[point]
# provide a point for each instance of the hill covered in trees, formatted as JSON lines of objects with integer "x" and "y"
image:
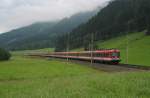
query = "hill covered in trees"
{"x": 116, "y": 19}
{"x": 43, "y": 34}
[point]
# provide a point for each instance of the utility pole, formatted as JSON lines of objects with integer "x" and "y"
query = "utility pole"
{"x": 67, "y": 46}
{"x": 92, "y": 41}
{"x": 127, "y": 42}
{"x": 127, "y": 47}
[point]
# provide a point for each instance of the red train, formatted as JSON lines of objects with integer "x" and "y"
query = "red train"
{"x": 107, "y": 55}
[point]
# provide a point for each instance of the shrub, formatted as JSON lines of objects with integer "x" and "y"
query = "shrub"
{"x": 148, "y": 31}
{"x": 4, "y": 55}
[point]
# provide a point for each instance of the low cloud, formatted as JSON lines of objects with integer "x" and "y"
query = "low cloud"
{"x": 18, "y": 13}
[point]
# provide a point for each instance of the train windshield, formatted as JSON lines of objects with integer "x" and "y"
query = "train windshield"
{"x": 115, "y": 54}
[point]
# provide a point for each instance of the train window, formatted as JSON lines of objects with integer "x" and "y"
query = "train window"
{"x": 77, "y": 54}
{"x": 82, "y": 54}
{"x": 89, "y": 54}
{"x": 94, "y": 55}
{"x": 116, "y": 54}
{"x": 106, "y": 54}
{"x": 86, "y": 54}
{"x": 97, "y": 55}
{"x": 102, "y": 55}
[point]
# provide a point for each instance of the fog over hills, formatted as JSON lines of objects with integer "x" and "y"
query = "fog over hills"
{"x": 20, "y": 13}
{"x": 43, "y": 34}
{"x": 116, "y": 19}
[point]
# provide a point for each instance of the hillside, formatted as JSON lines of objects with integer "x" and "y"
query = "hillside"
{"x": 117, "y": 18}
{"x": 138, "y": 48}
{"x": 22, "y": 37}
{"x": 44, "y": 34}
{"x": 24, "y": 77}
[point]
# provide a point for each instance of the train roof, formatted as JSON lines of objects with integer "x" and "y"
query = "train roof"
{"x": 108, "y": 50}
{"x": 96, "y": 51}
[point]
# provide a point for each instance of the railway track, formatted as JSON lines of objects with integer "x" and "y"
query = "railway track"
{"x": 103, "y": 67}
{"x": 111, "y": 68}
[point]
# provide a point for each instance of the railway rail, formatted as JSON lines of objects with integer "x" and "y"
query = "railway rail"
{"x": 101, "y": 66}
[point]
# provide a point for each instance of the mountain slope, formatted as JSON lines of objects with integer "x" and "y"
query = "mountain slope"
{"x": 118, "y": 17}
{"x": 16, "y": 38}
{"x": 42, "y": 35}
{"x": 138, "y": 48}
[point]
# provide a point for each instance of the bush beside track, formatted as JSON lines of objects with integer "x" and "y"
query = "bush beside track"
{"x": 41, "y": 78}
{"x": 4, "y": 55}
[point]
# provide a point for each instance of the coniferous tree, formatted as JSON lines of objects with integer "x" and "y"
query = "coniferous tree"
{"x": 117, "y": 18}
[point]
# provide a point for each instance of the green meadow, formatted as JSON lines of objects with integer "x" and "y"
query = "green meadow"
{"x": 26, "y": 77}
{"x": 21, "y": 52}
{"x": 138, "y": 48}
{"x": 23, "y": 77}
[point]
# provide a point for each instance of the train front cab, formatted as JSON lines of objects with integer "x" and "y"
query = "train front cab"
{"x": 115, "y": 56}
{"x": 108, "y": 56}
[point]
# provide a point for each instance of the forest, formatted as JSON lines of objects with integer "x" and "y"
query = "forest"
{"x": 42, "y": 34}
{"x": 118, "y": 18}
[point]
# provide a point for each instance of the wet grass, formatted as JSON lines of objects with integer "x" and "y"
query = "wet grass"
{"x": 138, "y": 48}
{"x": 36, "y": 78}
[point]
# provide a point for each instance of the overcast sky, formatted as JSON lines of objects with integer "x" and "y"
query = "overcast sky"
{"x": 18, "y": 13}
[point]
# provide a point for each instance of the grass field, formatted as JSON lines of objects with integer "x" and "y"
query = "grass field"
{"x": 38, "y": 78}
{"x": 138, "y": 48}
{"x": 32, "y": 51}
{"x": 138, "y": 51}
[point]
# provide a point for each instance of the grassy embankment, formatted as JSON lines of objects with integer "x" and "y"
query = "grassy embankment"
{"x": 32, "y": 51}
{"x": 38, "y": 78}
{"x": 138, "y": 48}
